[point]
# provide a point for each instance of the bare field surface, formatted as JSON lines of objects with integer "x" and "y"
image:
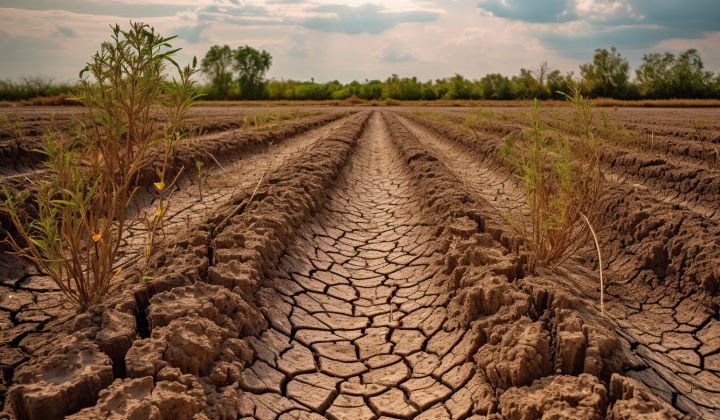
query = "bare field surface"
{"x": 357, "y": 263}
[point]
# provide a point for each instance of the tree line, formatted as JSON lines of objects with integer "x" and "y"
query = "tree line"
{"x": 239, "y": 74}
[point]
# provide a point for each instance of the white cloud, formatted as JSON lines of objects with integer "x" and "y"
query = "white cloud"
{"x": 392, "y": 54}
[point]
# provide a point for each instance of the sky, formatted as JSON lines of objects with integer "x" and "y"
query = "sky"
{"x": 349, "y": 40}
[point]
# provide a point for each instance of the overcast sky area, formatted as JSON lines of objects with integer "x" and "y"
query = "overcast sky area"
{"x": 365, "y": 39}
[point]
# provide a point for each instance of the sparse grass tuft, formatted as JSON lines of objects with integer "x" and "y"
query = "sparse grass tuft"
{"x": 486, "y": 113}
{"x": 562, "y": 179}
{"x": 618, "y": 134}
{"x": 17, "y": 129}
{"x": 269, "y": 120}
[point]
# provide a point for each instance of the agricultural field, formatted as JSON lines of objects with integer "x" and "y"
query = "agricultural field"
{"x": 360, "y": 262}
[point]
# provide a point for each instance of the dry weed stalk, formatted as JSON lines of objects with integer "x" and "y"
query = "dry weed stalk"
{"x": 597, "y": 246}
{"x": 82, "y": 211}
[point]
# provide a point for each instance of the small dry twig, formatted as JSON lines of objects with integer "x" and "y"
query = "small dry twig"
{"x": 597, "y": 245}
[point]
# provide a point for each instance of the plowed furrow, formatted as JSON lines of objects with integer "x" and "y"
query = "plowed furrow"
{"x": 232, "y": 175}
{"x": 374, "y": 276}
{"x": 652, "y": 307}
{"x": 359, "y": 329}
{"x": 665, "y": 170}
{"x": 485, "y": 178}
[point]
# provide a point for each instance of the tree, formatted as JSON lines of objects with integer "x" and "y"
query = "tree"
{"x": 690, "y": 80}
{"x": 654, "y": 76}
{"x": 527, "y": 87}
{"x": 541, "y": 72}
{"x": 608, "y": 75}
{"x": 217, "y": 66}
{"x": 251, "y": 65}
{"x": 496, "y": 86}
{"x": 556, "y": 82}
{"x": 663, "y": 76}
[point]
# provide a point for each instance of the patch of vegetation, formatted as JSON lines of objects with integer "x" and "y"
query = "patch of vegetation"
{"x": 563, "y": 182}
{"x": 27, "y": 87}
{"x": 268, "y": 120}
{"x": 82, "y": 211}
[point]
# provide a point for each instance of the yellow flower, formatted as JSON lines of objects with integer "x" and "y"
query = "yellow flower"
{"x": 160, "y": 185}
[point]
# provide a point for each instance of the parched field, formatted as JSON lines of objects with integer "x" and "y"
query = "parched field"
{"x": 357, "y": 263}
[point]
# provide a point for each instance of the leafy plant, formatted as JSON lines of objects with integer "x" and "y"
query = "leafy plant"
{"x": 201, "y": 176}
{"x": 562, "y": 180}
{"x": 82, "y": 211}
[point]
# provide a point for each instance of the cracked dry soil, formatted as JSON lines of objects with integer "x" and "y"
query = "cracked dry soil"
{"x": 373, "y": 277}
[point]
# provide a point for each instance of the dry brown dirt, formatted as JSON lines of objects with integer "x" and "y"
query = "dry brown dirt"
{"x": 374, "y": 276}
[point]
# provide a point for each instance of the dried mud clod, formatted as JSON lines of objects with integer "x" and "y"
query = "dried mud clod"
{"x": 64, "y": 382}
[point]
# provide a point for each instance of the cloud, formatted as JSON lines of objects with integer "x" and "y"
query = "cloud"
{"x": 338, "y": 18}
{"x": 700, "y": 15}
{"x": 92, "y": 7}
{"x": 624, "y": 38}
{"x": 191, "y": 34}
{"x": 390, "y": 54}
{"x": 284, "y": 1}
{"x": 64, "y": 32}
{"x": 22, "y": 42}
{"x": 246, "y": 10}
{"x": 544, "y": 11}
{"x": 630, "y": 24}
{"x": 370, "y": 18}
{"x": 293, "y": 48}
{"x": 434, "y": 29}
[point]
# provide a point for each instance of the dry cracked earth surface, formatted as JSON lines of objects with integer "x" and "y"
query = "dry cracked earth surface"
{"x": 373, "y": 275}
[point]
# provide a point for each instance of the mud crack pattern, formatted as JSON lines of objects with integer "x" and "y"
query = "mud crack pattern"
{"x": 373, "y": 277}
{"x": 358, "y": 333}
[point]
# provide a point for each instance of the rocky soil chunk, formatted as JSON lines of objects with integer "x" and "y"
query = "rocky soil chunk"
{"x": 61, "y": 383}
{"x": 581, "y": 397}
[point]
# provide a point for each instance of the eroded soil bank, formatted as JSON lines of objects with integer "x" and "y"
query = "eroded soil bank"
{"x": 372, "y": 276}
